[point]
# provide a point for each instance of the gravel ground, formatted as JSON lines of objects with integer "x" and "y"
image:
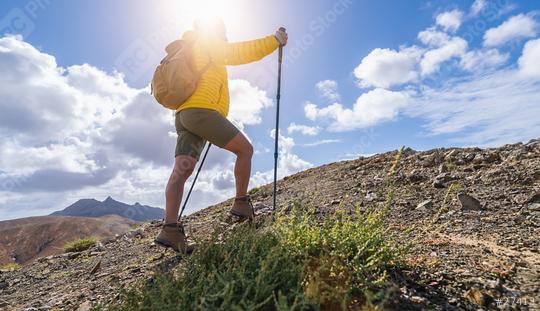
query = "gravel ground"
{"x": 472, "y": 216}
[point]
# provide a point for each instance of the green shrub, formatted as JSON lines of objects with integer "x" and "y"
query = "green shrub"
{"x": 295, "y": 264}
{"x": 80, "y": 245}
{"x": 253, "y": 191}
{"x": 346, "y": 255}
{"x": 451, "y": 166}
{"x": 13, "y": 266}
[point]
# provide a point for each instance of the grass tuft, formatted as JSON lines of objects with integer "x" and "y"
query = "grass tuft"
{"x": 80, "y": 245}
{"x": 13, "y": 266}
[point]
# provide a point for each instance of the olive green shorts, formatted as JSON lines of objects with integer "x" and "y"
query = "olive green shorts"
{"x": 195, "y": 126}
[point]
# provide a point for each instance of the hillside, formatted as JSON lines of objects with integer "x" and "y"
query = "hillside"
{"x": 95, "y": 208}
{"x": 25, "y": 239}
{"x": 472, "y": 216}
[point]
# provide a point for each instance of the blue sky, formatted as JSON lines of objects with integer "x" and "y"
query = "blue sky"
{"x": 360, "y": 77}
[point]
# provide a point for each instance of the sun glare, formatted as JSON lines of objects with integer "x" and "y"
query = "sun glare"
{"x": 236, "y": 14}
{"x": 204, "y": 9}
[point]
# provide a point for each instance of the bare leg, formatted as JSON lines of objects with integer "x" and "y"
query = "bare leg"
{"x": 183, "y": 167}
{"x": 240, "y": 146}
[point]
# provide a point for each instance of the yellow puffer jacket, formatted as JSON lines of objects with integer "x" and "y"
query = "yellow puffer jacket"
{"x": 213, "y": 89}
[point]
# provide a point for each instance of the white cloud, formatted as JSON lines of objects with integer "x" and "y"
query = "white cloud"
{"x": 483, "y": 59}
{"x": 371, "y": 108}
{"x": 483, "y": 109}
{"x": 322, "y": 142}
{"x": 288, "y": 162}
{"x": 450, "y": 21}
{"x": 433, "y": 38}
{"x": 385, "y": 67}
{"x": 247, "y": 103}
{"x": 444, "y": 49}
{"x": 529, "y": 62}
{"x": 328, "y": 89}
{"x": 516, "y": 27}
{"x": 303, "y": 129}
{"x": 477, "y": 7}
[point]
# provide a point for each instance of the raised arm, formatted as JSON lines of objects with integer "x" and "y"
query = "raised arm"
{"x": 239, "y": 53}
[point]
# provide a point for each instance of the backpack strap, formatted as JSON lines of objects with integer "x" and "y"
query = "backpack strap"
{"x": 207, "y": 66}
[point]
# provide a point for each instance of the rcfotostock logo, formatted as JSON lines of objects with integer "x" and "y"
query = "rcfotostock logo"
{"x": 17, "y": 23}
{"x": 20, "y": 20}
{"x": 137, "y": 59}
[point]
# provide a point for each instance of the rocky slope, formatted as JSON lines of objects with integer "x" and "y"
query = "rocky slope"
{"x": 109, "y": 206}
{"x": 25, "y": 239}
{"x": 472, "y": 215}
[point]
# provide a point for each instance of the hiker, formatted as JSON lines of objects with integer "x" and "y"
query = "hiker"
{"x": 203, "y": 117}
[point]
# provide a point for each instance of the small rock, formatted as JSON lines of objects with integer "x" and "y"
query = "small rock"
{"x": 441, "y": 180}
{"x": 139, "y": 232}
{"x": 535, "y": 198}
{"x": 416, "y": 176}
{"x": 418, "y": 300}
{"x": 99, "y": 247}
{"x": 438, "y": 184}
{"x": 443, "y": 168}
{"x": 478, "y": 297}
{"x": 85, "y": 306}
{"x": 426, "y": 205}
{"x": 73, "y": 255}
{"x": 96, "y": 267}
{"x": 535, "y": 207}
{"x": 370, "y": 196}
{"x": 469, "y": 203}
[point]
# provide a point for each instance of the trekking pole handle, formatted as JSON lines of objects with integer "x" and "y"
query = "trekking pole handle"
{"x": 281, "y": 46}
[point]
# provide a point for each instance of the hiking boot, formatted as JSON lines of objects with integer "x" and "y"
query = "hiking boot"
{"x": 242, "y": 207}
{"x": 173, "y": 236}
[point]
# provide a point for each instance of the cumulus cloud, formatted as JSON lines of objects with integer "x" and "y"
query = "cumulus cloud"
{"x": 247, "y": 102}
{"x": 516, "y": 27}
{"x": 371, "y": 108}
{"x": 328, "y": 89}
{"x": 288, "y": 162}
{"x": 450, "y": 21}
{"x": 483, "y": 59}
{"x": 386, "y": 67}
{"x": 529, "y": 61}
{"x": 303, "y": 129}
{"x": 444, "y": 48}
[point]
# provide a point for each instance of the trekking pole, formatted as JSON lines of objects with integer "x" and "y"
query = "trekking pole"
{"x": 194, "y": 181}
{"x": 278, "y": 97}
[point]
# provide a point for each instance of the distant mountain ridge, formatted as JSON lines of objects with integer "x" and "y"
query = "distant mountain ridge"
{"x": 95, "y": 208}
{"x": 25, "y": 239}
